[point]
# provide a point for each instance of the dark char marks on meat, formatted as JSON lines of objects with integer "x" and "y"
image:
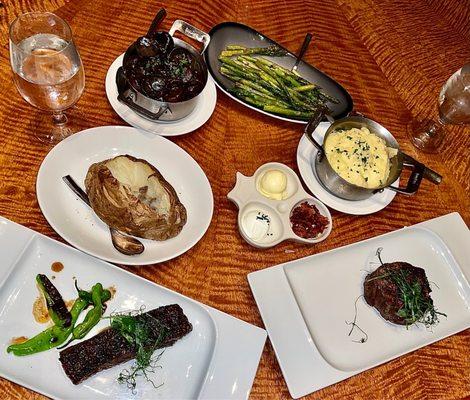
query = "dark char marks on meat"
{"x": 109, "y": 348}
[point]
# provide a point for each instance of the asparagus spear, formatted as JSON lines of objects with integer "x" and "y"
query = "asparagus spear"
{"x": 256, "y": 86}
{"x": 305, "y": 88}
{"x": 247, "y": 92}
{"x": 235, "y": 47}
{"x": 240, "y": 72}
{"x": 251, "y": 90}
{"x": 272, "y": 51}
{"x": 226, "y": 72}
{"x": 287, "y": 112}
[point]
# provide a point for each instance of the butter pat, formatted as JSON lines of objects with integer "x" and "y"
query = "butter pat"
{"x": 273, "y": 184}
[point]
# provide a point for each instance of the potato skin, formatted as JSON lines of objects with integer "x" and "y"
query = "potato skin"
{"x": 119, "y": 208}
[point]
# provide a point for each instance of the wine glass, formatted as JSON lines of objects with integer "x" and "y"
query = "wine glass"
{"x": 47, "y": 68}
{"x": 454, "y": 109}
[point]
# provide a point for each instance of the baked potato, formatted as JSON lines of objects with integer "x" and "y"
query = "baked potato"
{"x": 132, "y": 196}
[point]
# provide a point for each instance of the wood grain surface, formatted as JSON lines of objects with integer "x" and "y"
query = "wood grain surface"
{"x": 392, "y": 56}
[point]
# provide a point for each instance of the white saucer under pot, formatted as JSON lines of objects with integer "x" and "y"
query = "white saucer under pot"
{"x": 306, "y": 154}
{"x": 199, "y": 116}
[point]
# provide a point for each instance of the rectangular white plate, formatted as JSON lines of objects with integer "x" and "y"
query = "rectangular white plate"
{"x": 315, "y": 296}
{"x": 195, "y": 367}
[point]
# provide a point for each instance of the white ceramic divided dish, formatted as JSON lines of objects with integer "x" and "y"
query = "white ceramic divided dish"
{"x": 203, "y": 110}
{"x": 81, "y": 227}
{"x": 247, "y": 198}
{"x": 306, "y": 154}
{"x": 194, "y": 367}
{"x": 305, "y": 303}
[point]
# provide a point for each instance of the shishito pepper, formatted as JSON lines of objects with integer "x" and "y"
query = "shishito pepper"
{"x": 51, "y": 337}
{"x": 57, "y": 335}
{"x": 85, "y": 295}
{"x": 98, "y": 297}
{"x": 56, "y": 307}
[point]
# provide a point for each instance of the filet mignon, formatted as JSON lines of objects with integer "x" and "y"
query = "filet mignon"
{"x": 381, "y": 290}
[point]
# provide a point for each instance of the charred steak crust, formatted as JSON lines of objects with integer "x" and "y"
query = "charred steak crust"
{"x": 109, "y": 348}
{"x": 383, "y": 293}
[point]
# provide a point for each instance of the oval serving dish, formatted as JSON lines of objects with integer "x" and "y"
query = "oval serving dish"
{"x": 228, "y": 33}
{"x": 250, "y": 201}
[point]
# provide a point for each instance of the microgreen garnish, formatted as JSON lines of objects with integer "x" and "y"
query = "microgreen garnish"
{"x": 145, "y": 333}
{"x": 417, "y": 308}
{"x": 353, "y": 324}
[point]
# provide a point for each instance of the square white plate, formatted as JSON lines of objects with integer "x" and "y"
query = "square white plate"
{"x": 316, "y": 295}
{"x": 194, "y": 367}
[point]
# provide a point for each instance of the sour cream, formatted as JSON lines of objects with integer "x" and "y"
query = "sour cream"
{"x": 257, "y": 225}
{"x": 360, "y": 157}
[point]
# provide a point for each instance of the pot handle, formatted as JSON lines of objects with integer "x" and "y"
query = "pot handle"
{"x": 312, "y": 124}
{"x": 191, "y": 32}
{"x": 419, "y": 171}
{"x": 123, "y": 97}
{"x": 141, "y": 110}
{"x": 432, "y": 176}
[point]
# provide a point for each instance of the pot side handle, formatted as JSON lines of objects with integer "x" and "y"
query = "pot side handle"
{"x": 125, "y": 94}
{"x": 191, "y": 32}
{"x": 141, "y": 110}
{"x": 419, "y": 171}
{"x": 432, "y": 176}
{"x": 312, "y": 124}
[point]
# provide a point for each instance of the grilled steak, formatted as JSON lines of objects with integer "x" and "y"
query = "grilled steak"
{"x": 381, "y": 291}
{"x": 109, "y": 348}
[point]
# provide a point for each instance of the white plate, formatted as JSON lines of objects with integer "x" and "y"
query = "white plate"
{"x": 306, "y": 154}
{"x": 194, "y": 367}
{"x": 80, "y": 226}
{"x": 204, "y": 108}
{"x": 315, "y": 296}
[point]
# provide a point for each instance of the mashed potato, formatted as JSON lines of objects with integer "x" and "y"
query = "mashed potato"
{"x": 359, "y": 156}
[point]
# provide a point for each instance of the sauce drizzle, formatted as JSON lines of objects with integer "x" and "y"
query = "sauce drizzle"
{"x": 18, "y": 340}
{"x": 57, "y": 266}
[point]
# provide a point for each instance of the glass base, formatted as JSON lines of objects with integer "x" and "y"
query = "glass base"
{"x": 51, "y": 129}
{"x": 426, "y": 135}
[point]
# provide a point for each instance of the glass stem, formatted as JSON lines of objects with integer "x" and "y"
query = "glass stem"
{"x": 440, "y": 121}
{"x": 435, "y": 128}
{"x": 59, "y": 118}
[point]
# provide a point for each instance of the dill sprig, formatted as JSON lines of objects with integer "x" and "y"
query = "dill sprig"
{"x": 139, "y": 329}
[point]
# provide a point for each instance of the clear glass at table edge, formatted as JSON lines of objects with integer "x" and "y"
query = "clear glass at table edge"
{"x": 47, "y": 68}
{"x": 454, "y": 109}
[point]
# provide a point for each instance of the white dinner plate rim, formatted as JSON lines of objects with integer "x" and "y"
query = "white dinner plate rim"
{"x": 362, "y": 207}
{"x": 120, "y": 259}
{"x": 170, "y": 129}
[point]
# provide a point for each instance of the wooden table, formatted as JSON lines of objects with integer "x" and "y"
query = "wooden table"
{"x": 392, "y": 56}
